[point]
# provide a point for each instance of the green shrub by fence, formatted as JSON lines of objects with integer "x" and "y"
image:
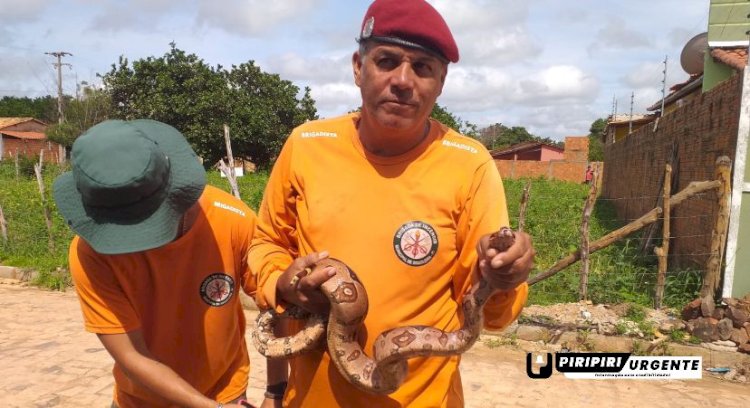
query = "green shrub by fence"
{"x": 618, "y": 273}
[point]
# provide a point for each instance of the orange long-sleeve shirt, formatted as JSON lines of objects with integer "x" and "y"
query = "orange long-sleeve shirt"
{"x": 407, "y": 225}
{"x": 182, "y": 296}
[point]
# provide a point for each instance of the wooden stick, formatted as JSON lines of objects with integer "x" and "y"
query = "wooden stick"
{"x": 663, "y": 251}
{"x": 524, "y": 204}
{"x": 3, "y": 225}
{"x": 229, "y": 172}
{"x": 696, "y": 187}
{"x": 18, "y": 167}
{"x": 587, "y": 209}
{"x": 719, "y": 233}
{"x": 47, "y": 215}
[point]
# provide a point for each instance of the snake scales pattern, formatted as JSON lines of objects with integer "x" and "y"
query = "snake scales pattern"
{"x": 385, "y": 372}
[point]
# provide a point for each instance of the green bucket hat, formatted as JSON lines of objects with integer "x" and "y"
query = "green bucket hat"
{"x": 130, "y": 184}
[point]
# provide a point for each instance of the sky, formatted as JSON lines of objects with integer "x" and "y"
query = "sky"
{"x": 548, "y": 65}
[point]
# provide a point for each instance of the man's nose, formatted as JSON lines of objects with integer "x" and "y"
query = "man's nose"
{"x": 403, "y": 76}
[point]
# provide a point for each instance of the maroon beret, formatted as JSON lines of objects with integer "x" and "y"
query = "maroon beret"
{"x": 411, "y": 23}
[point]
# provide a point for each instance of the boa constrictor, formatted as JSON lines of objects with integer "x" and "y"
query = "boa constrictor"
{"x": 384, "y": 373}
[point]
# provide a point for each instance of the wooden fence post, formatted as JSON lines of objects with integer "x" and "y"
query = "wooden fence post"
{"x": 228, "y": 170}
{"x": 696, "y": 187}
{"x": 18, "y": 167}
{"x": 3, "y": 225}
{"x": 587, "y": 209}
{"x": 719, "y": 233}
{"x": 524, "y": 204}
{"x": 663, "y": 251}
{"x": 47, "y": 215}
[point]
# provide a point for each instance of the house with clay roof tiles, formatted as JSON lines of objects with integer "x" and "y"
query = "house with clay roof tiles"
{"x": 25, "y": 137}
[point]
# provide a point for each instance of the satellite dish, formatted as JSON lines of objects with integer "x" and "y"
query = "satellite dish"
{"x": 692, "y": 54}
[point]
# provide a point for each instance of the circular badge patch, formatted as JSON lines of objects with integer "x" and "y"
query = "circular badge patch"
{"x": 415, "y": 243}
{"x": 217, "y": 289}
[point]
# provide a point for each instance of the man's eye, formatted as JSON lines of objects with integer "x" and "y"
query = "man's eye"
{"x": 422, "y": 69}
{"x": 386, "y": 63}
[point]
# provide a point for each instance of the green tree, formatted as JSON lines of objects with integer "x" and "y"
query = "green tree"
{"x": 43, "y": 108}
{"x": 499, "y": 136}
{"x": 182, "y": 90}
{"x": 454, "y": 122}
{"x": 307, "y": 108}
{"x": 80, "y": 114}
{"x": 596, "y": 145}
{"x": 263, "y": 110}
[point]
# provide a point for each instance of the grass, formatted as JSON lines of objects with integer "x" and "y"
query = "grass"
{"x": 636, "y": 313}
{"x": 553, "y": 219}
{"x": 618, "y": 273}
{"x": 29, "y": 246}
{"x": 495, "y": 342}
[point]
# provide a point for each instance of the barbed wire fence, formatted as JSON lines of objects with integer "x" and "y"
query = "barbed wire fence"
{"x": 614, "y": 262}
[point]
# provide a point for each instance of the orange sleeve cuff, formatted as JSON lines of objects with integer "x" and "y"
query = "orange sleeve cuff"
{"x": 504, "y": 307}
{"x": 268, "y": 293}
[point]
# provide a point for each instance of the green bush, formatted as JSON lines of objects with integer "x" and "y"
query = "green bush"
{"x": 29, "y": 245}
{"x": 617, "y": 273}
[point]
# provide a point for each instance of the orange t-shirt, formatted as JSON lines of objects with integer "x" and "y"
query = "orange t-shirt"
{"x": 407, "y": 225}
{"x": 182, "y": 296}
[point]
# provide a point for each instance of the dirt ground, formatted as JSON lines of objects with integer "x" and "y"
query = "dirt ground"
{"x": 48, "y": 360}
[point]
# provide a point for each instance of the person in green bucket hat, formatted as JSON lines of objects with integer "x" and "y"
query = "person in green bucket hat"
{"x": 157, "y": 262}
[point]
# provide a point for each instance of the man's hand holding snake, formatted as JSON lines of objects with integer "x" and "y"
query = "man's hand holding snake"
{"x": 505, "y": 270}
{"x": 299, "y": 284}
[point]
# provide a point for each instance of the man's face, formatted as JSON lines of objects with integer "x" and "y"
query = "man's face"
{"x": 399, "y": 85}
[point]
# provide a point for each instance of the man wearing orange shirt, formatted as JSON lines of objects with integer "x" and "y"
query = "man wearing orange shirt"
{"x": 157, "y": 262}
{"x": 403, "y": 200}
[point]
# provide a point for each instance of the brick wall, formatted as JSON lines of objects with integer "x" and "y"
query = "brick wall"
{"x": 29, "y": 148}
{"x": 571, "y": 168}
{"x": 703, "y": 129}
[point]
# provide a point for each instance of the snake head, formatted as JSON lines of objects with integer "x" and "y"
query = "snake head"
{"x": 502, "y": 239}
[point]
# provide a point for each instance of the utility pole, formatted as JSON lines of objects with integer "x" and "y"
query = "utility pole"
{"x": 58, "y": 65}
{"x": 630, "y": 123}
{"x": 664, "y": 87}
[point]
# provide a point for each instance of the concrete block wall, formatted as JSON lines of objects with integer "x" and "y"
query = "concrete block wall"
{"x": 702, "y": 130}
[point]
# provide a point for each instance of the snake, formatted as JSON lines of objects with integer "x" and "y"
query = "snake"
{"x": 385, "y": 371}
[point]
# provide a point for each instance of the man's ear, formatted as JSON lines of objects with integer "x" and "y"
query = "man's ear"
{"x": 442, "y": 78}
{"x": 357, "y": 67}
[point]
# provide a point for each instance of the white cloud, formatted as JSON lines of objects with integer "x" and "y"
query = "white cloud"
{"x": 469, "y": 15}
{"x": 617, "y": 35}
{"x": 134, "y": 15}
{"x": 251, "y": 17}
{"x": 556, "y": 122}
{"x": 548, "y": 65}
{"x": 322, "y": 69}
{"x": 489, "y": 32}
{"x": 647, "y": 74}
{"x": 476, "y": 89}
{"x": 335, "y": 99}
{"x": 482, "y": 88}
{"x": 15, "y": 11}
{"x": 558, "y": 83}
{"x": 26, "y": 75}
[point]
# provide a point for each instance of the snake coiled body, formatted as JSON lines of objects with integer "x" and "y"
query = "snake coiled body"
{"x": 386, "y": 370}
